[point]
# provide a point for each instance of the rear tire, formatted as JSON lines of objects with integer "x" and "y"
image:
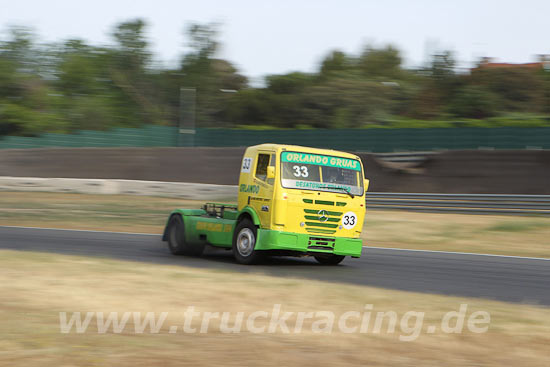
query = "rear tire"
{"x": 176, "y": 239}
{"x": 329, "y": 259}
{"x": 244, "y": 243}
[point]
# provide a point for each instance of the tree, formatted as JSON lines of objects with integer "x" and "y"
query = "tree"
{"x": 27, "y": 106}
{"x": 442, "y": 66}
{"x": 435, "y": 87}
{"x": 335, "y": 62}
{"x": 517, "y": 88}
{"x": 443, "y": 76}
{"x": 131, "y": 52}
{"x": 473, "y": 102}
{"x": 20, "y": 49}
{"x": 77, "y": 69}
{"x": 385, "y": 62}
{"x": 196, "y": 65}
{"x": 74, "y": 85}
{"x": 128, "y": 65}
{"x": 291, "y": 83}
{"x": 209, "y": 75}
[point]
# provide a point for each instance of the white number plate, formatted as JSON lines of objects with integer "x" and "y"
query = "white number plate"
{"x": 349, "y": 220}
{"x": 247, "y": 165}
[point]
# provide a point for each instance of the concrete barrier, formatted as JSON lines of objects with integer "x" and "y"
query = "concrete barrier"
{"x": 193, "y": 191}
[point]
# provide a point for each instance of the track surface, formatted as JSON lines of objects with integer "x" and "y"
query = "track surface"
{"x": 493, "y": 277}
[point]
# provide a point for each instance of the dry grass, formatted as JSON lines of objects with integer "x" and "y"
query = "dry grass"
{"x": 492, "y": 234}
{"x": 505, "y": 235}
{"x": 35, "y": 287}
{"x": 126, "y": 213}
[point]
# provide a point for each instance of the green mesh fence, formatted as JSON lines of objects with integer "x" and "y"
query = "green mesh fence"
{"x": 374, "y": 140}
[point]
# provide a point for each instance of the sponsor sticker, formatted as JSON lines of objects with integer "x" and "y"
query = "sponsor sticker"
{"x": 254, "y": 189}
{"x": 321, "y": 160}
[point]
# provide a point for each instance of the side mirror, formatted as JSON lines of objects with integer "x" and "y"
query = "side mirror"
{"x": 366, "y": 184}
{"x": 270, "y": 172}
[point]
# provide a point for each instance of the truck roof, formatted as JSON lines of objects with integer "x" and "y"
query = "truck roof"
{"x": 298, "y": 148}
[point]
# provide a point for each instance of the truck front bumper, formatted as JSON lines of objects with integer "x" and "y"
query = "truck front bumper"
{"x": 308, "y": 243}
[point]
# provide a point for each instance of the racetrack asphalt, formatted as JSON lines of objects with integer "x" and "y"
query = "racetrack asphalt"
{"x": 511, "y": 279}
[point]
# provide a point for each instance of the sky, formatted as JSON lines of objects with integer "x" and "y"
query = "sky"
{"x": 272, "y": 37}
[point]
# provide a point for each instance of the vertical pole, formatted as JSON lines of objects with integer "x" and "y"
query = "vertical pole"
{"x": 187, "y": 124}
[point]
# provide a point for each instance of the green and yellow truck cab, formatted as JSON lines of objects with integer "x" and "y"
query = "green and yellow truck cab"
{"x": 292, "y": 200}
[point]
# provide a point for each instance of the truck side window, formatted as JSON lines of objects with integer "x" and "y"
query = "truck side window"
{"x": 271, "y": 181}
{"x": 261, "y": 168}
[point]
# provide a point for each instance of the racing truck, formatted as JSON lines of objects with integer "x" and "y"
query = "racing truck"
{"x": 292, "y": 201}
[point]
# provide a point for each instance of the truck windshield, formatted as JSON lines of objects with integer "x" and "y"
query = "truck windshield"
{"x": 321, "y": 173}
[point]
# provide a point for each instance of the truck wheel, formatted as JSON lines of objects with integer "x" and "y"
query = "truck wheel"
{"x": 244, "y": 242}
{"x": 176, "y": 239}
{"x": 329, "y": 260}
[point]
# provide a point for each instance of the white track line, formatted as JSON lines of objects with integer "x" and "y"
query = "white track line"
{"x": 457, "y": 253}
{"x": 367, "y": 247}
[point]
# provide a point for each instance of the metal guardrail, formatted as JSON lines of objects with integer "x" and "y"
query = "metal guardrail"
{"x": 461, "y": 203}
{"x": 437, "y": 203}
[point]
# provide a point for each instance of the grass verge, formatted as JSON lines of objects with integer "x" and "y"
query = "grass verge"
{"x": 35, "y": 287}
{"x": 502, "y": 235}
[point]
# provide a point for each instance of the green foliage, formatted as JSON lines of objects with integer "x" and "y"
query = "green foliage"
{"x": 72, "y": 85}
{"x": 473, "y": 102}
{"x": 209, "y": 76}
{"x": 20, "y": 120}
{"x": 292, "y": 83}
{"x": 443, "y": 66}
{"x": 336, "y": 62}
{"x": 131, "y": 53}
{"x": 16, "y": 119}
{"x": 385, "y": 62}
{"x": 519, "y": 89}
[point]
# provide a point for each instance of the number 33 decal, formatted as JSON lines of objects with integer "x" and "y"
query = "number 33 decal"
{"x": 300, "y": 171}
{"x": 247, "y": 164}
{"x": 349, "y": 220}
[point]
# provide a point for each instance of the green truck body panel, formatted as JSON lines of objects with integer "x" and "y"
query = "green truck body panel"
{"x": 278, "y": 240}
{"x": 215, "y": 231}
{"x": 250, "y": 211}
{"x": 188, "y": 212}
{"x": 201, "y": 228}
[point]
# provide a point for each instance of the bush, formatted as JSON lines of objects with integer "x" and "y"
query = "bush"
{"x": 17, "y": 120}
{"x": 473, "y": 102}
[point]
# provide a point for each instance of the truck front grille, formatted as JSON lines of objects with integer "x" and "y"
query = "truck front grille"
{"x": 321, "y": 243}
{"x": 319, "y": 220}
{"x": 325, "y": 202}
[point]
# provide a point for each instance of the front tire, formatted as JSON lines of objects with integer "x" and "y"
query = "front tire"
{"x": 176, "y": 239}
{"x": 244, "y": 243}
{"x": 329, "y": 260}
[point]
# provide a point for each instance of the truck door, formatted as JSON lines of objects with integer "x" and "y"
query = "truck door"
{"x": 263, "y": 201}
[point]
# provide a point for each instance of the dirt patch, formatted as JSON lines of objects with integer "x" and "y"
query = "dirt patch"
{"x": 475, "y": 171}
{"x": 468, "y": 172}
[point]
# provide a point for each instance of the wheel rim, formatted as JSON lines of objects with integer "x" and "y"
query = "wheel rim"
{"x": 245, "y": 242}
